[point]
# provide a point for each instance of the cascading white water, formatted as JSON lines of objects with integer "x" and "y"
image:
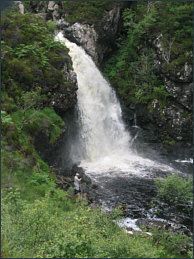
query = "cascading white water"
{"x": 102, "y": 131}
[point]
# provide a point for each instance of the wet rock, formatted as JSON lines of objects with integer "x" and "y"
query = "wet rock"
{"x": 188, "y": 232}
{"x": 94, "y": 186}
{"x": 61, "y": 24}
{"x": 162, "y": 138}
{"x": 129, "y": 228}
{"x": 84, "y": 35}
{"x": 51, "y": 6}
{"x": 142, "y": 222}
{"x": 80, "y": 171}
{"x": 77, "y": 169}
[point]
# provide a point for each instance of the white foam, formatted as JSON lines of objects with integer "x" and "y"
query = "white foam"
{"x": 128, "y": 222}
{"x": 184, "y": 161}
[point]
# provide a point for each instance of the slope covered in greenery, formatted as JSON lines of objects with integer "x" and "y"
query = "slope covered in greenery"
{"x": 132, "y": 67}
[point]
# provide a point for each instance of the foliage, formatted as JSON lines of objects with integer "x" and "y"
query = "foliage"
{"x": 46, "y": 120}
{"x": 7, "y": 103}
{"x": 29, "y": 100}
{"x": 30, "y": 59}
{"x": 30, "y": 56}
{"x": 35, "y": 121}
{"x": 172, "y": 242}
{"x": 131, "y": 68}
{"x": 5, "y": 118}
{"x": 6, "y": 121}
{"x": 90, "y": 12}
{"x": 175, "y": 191}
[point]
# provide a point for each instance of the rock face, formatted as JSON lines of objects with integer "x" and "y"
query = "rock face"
{"x": 84, "y": 35}
{"x": 176, "y": 118}
{"x": 167, "y": 136}
{"x": 65, "y": 96}
{"x": 172, "y": 124}
{"x": 98, "y": 42}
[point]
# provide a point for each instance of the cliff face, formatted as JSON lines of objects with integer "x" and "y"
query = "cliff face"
{"x": 171, "y": 124}
{"x": 97, "y": 43}
{"x": 173, "y": 121}
{"x": 167, "y": 129}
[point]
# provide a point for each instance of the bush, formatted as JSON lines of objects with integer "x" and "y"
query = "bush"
{"x": 172, "y": 242}
{"x": 175, "y": 191}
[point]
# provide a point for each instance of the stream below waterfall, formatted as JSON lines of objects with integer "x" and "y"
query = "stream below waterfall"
{"x": 103, "y": 146}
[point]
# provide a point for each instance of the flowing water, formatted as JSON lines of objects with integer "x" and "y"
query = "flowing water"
{"x": 103, "y": 146}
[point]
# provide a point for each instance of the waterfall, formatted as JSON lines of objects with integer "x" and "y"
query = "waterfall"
{"x": 103, "y": 144}
{"x": 101, "y": 128}
{"x": 135, "y": 120}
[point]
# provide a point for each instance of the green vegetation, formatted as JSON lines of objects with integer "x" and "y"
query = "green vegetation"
{"x": 30, "y": 57}
{"x": 175, "y": 191}
{"x": 89, "y": 12}
{"x": 31, "y": 63}
{"x": 132, "y": 69}
{"x": 30, "y": 60}
{"x": 43, "y": 230}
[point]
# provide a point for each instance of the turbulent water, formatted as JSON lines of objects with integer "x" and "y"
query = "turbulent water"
{"x": 103, "y": 145}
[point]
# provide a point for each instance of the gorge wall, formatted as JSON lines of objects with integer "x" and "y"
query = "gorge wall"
{"x": 168, "y": 129}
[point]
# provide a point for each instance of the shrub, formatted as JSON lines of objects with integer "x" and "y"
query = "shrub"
{"x": 172, "y": 242}
{"x": 175, "y": 191}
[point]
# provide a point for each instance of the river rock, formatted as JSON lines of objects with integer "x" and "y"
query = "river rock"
{"x": 93, "y": 206}
{"x": 129, "y": 232}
